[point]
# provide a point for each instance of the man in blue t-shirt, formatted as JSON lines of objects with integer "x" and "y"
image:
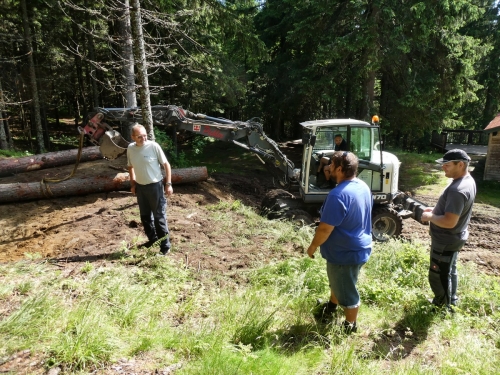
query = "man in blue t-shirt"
{"x": 344, "y": 237}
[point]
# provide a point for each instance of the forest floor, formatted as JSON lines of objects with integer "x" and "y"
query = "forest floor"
{"x": 97, "y": 227}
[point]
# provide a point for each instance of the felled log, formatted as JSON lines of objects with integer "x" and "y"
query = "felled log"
{"x": 9, "y": 167}
{"x": 112, "y": 181}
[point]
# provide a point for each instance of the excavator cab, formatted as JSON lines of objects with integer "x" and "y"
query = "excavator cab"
{"x": 361, "y": 139}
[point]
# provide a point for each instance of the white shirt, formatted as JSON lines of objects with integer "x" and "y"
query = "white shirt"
{"x": 147, "y": 162}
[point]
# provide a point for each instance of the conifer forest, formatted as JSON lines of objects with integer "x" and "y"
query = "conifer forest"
{"x": 419, "y": 65}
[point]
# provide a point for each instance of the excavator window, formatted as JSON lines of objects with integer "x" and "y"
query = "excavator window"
{"x": 325, "y": 138}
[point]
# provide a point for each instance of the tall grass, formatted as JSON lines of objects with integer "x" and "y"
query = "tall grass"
{"x": 159, "y": 312}
{"x": 487, "y": 193}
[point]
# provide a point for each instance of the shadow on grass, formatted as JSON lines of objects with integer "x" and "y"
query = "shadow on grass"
{"x": 296, "y": 338}
{"x": 89, "y": 258}
{"x": 412, "y": 329}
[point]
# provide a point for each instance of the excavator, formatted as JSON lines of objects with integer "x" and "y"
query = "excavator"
{"x": 299, "y": 192}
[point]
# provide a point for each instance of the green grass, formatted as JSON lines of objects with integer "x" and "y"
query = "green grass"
{"x": 487, "y": 193}
{"x": 420, "y": 173}
{"x": 157, "y": 312}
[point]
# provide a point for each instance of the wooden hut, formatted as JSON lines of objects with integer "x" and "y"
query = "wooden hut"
{"x": 492, "y": 165}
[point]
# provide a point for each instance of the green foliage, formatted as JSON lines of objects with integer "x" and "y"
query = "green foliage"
{"x": 14, "y": 153}
{"x": 167, "y": 144}
{"x": 182, "y": 159}
{"x": 198, "y": 144}
{"x": 65, "y": 141}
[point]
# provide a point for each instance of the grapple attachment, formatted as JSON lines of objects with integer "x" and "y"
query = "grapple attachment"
{"x": 110, "y": 142}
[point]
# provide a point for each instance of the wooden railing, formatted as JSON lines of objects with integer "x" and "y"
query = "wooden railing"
{"x": 462, "y": 137}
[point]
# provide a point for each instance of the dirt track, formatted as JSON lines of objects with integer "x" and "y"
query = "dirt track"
{"x": 96, "y": 226}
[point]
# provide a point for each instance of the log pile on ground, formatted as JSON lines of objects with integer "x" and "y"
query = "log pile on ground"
{"x": 92, "y": 176}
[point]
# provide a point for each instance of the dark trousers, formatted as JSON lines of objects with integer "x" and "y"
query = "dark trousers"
{"x": 152, "y": 208}
{"x": 443, "y": 276}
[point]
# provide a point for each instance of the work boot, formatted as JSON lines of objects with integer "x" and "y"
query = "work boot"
{"x": 348, "y": 327}
{"x": 442, "y": 307}
{"x": 164, "y": 251}
{"x": 147, "y": 244}
{"x": 325, "y": 310}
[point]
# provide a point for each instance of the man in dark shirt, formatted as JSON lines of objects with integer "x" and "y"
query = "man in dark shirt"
{"x": 449, "y": 221}
{"x": 340, "y": 145}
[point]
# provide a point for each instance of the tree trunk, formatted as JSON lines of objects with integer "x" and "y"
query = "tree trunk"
{"x": 4, "y": 144}
{"x": 81, "y": 186}
{"x": 34, "y": 89}
{"x": 80, "y": 81}
{"x": 127, "y": 54}
{"x": 9, "y": 167}
{"x": 142, "y": 69}
{"x": 92, "y": 70}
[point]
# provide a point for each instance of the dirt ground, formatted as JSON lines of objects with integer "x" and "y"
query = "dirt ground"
{"x": 98, "y": 226}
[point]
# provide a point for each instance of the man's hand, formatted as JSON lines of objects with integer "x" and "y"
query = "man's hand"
{"x": 427, "y": 214}
{"x": 169, "y": 190}
{"x": 323, "y": 231}
{"x": 310, "y": 251}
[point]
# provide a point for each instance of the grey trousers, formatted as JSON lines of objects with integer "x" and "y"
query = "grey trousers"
{"x": 443, "y": 276}
{"x": 153, "y": 211}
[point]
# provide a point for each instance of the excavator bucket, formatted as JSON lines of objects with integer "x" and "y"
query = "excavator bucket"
{"x": 112, "y": 145}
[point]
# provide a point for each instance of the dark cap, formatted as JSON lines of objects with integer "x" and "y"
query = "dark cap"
{"x": 454, "y": 155}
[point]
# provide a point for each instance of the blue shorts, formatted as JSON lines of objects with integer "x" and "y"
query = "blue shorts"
{"x": 343, "y": 281}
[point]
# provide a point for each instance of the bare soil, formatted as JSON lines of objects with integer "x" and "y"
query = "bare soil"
{"x": 99, "y": 226}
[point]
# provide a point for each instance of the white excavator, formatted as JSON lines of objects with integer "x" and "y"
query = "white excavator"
{"x": 299, "y": 193}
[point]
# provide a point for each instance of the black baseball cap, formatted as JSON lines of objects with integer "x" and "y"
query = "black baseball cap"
{"x": 454, "y": 155}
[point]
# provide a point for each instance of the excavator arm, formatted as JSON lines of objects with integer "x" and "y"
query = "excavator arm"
{"x": 248, "y": 135}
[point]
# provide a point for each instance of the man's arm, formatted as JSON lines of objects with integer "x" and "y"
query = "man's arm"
{"x": 322, "y": 233}
{"x": 168, "y": 178}
{"x": 447, "y": 221}
{"x": 132, "y": 179}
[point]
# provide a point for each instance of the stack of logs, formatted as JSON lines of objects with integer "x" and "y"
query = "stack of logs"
{"x": 76, "y": 185}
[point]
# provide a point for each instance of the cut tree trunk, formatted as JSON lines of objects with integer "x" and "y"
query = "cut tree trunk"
{"x": 81, "y": 186}
{"x": 9, "y": 167}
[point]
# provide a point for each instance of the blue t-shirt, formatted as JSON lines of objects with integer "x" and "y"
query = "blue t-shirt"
{"x": 348, "y": 207}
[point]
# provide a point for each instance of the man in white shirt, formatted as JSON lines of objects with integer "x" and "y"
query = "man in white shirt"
{"x": 144, "y": 160}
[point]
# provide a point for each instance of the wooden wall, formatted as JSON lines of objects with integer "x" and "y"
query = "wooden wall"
{"x": 492, "y": 166}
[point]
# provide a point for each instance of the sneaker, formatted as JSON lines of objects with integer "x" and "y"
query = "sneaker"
{"x": 348, "y": 327}
{"x": 324, "y": 311}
